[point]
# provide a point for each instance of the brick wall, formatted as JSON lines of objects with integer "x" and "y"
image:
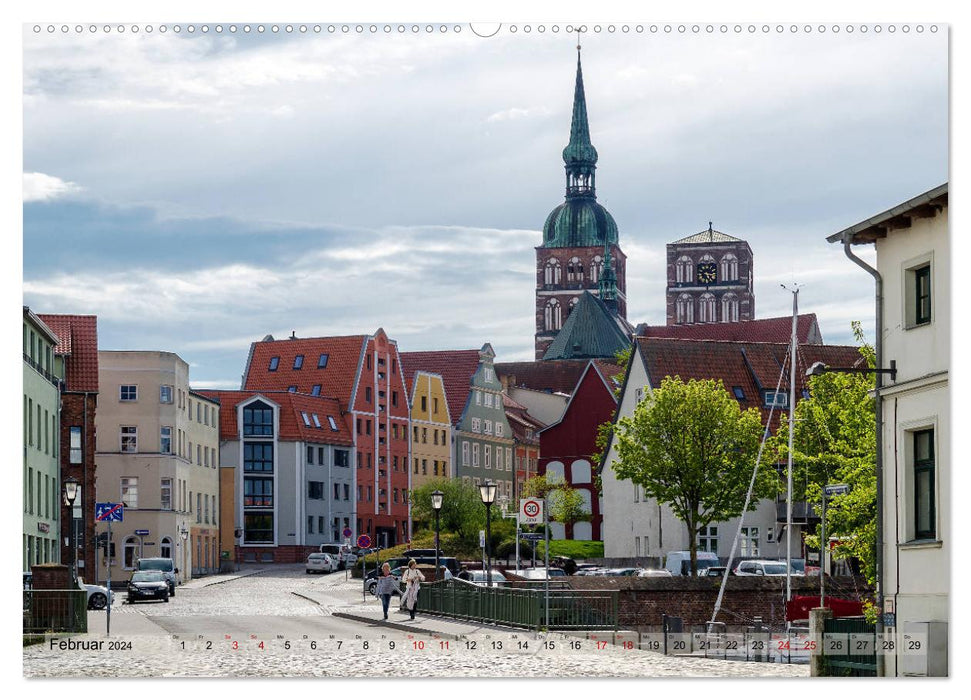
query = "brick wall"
{"x": 73, "y": 408}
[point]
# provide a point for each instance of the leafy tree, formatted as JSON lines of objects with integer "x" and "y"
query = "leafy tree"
{"x": 693, "y": 449}
{"x": 834, "y": 441}
{"x": 564, "y": 502}
{"x": 462, "y": 510}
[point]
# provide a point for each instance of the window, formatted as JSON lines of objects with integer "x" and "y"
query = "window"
{"x": 347, "y": 492}
{"x": 332, "y": 423}
{"x": 488, "y": 400}
{"x": 475, "y": 425}
{"x": 922, "y": 295}
{"x": 498, "y": 458}
{"x": 475, "y": 454}
{"x": 310, "y": 455}
{"x": 684, "y": 270}
{"x": 465, "y": 454}
{"x": 394, "y": 398}
{"x": 257, "y": 420}
{"x": 553, "y": 316}
{"x": 487, "y": 426}
{"x": 76, "y": 452}
{"x": 337, "y": 491}
{"x": 298, "y": 362}
{"x": 257, "y": 456}
{"x": 708, "y": 539}
{"x": 779, "y": 399}
{"x": 424, "y": 404}
{"x": 315, "y": 490}
{"x": 508, "y": 459}
{"x": 129, "y": 438}
{"x": 292, "y": 389}
{"x": 165, "y": 394}
{"x": 367, "y": 394}
{"x": 925, "y": 516}
{"x": 205, "y": 505}
{"x": 750, "y": 542}
{"x": 322, "y": 361}
{"x": 129, "y": 491}
{"x": 574, "y": 270}
{"x": 435, "y": 405}
{"x": 367, "y": 427}
{"x": 198, "y": 507}
{"x": 128, "y": 392}
{"x": 552, "y": 272}
{"x": 165, "y": 440}
{"x": 316, "y": 422}
{"x": 729, "y": 308}
{"x": 258, "y": 527}
{"x": 132, "y": 551}
{"x": 320, "y": 456}
{"x": 199, "y": 454}
{"x": 306, "y": 418}
{"x": 499, "y": 429}
{"x": 424, "y": 466}
{"x": 257, "y": 492}
{"x": 341, "y": 458}
{"x": 706, "y": 308}
{"x": 165, "y": 548}
{"x": 315, "y": 390}
{"x": 729, "y": 268}
{"x": 424, "y": 435}
{"x": 739, "y": 393}
{"x": 274, "y": 363}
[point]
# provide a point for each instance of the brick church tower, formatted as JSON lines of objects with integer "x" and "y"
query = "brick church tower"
{"x": 580, "y": 250}
{"x": 709, "y": 279}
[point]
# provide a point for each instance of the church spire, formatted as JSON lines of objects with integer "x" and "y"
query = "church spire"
{"x": 579, "y": 155}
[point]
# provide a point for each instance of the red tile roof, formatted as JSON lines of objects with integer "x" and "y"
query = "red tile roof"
{"x": 557, "y": 376}
{"x": 292, "y": 426}
{"x": 763, "y": 330}
{"x": 78, "y": 337}
{"x": 456, "y": 368}
{"x": 754, "y": 367}
{"x": 336, "y": 379}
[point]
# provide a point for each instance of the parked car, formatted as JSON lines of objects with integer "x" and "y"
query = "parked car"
{"x": 479, "y": 578}
{"x": 565, "y": 563}
{"x": 415, "y": 553}
{"x": 592, "y": 571}
{"x": 679, "y": 562}
{"x": 715, "y": 571}
{"x": 539, "y": 573}
{"x": 162, "y": 564}
{"x": 148, "y": 585}
{"x": 651, "y": 573}
{"x": 371, "y": 583}
{"x": 799, "y": 567}
{"x": 621, "y": 571}
{"x": 761, "y": 567}
{"x": 319, "y": 563}
{"x": 98, "y": 596}
{"x": 341, "y": 552}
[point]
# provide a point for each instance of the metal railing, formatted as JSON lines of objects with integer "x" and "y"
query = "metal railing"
{"x": 55, "y": 611}
{"x": 852, "y": 662}
{"x": 521, "y": 607}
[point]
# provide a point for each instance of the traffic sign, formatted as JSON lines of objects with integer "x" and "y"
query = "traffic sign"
{"x": 836, "y": 489}
{"x": 364, "y": 542}
{"x": 347, "y": 532}
{"x": 109, "y": 512}
{"x": 531, "y": 536}
{"x": 141, "y": 533}
{"x": 530, "y": 511}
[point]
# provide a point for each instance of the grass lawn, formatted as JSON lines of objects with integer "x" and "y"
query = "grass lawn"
{"x": 575, "y": 549}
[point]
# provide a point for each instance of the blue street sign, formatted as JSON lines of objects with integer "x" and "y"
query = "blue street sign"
{"x": 141, "y": 533}
{"x": 109, "y": 512}
{"x": 531, "y": 535}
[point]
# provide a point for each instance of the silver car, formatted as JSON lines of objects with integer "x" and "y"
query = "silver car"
{"x": 98, "y": 596}
{"x": 321, "y": 563}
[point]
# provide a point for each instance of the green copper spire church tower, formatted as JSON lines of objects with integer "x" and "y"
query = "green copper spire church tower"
{"x": 579, "y": 239}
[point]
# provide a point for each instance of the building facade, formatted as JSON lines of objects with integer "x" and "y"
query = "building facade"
{"x": 76, "y": 364}
{"x": 913, "y": 260}
{"x": 431, "y": 429}
{"x": 287, "y": 466}
{"x": 157, "y": 454}
{"x": 710, "y": 279}
{"x": 42, "y": 421}
{"x": 580, "y": 249}
{"x": 363, "y": 373}
{"x": 525, "y": 434}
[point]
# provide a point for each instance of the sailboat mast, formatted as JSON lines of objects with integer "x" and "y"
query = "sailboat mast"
{"x": 792, "y": 426}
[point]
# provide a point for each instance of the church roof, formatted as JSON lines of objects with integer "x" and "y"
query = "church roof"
{"x": 580, "y": 150}
{"x": 762, "y": 330}
{"x": 591, "y": 330}
{"x": 709, "y": 235}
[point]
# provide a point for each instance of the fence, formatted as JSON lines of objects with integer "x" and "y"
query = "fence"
{"x": 521, "y": 607}
{"x": 55, "y": 611}
{"x": 851, "y": 647}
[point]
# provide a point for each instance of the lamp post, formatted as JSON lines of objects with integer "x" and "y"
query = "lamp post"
{"x": 70, "y": 494}
{"x": 184, "y": 534}
{"x": 488, "y": 493}
{"x": 437, "y": 497}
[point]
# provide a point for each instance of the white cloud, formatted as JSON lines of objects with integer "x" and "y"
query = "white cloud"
{"x": 39, "y": 187}
{"x": 514, "y": 113}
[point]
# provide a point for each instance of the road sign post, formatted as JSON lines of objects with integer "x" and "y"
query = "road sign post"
{"x": 109, "y": 513}
{"x": 828, "y": 490}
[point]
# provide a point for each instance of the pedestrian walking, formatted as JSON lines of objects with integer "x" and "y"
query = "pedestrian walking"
{"x": 387, "y": 585}
{"x": 412, "y": 578}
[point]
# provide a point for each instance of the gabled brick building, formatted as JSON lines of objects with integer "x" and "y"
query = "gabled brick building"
{"x": 363, "y": 372}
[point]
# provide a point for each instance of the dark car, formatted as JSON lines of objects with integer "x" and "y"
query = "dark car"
{"x": 148, "y": 585}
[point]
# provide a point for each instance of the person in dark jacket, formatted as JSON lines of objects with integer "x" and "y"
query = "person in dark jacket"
{"x": 387, "y": 585}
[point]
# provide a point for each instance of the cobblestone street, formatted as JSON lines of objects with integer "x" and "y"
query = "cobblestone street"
{"x": 284, "y": 623}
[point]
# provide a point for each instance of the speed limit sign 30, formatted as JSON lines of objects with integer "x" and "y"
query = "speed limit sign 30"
{"x": 530, "y": 511}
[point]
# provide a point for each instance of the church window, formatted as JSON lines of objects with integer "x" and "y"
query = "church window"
{"x": 685, "y": 309}
{"x": 729, "y": 308}
{"x": 553, "y": 315}
{"x": 729, "y": 268}
{"x": 684, "y": 270}
{"x": 552, "y": 273}
{"x": 596, "y": 269}
{"x": 706, "y": 308}
{"x": 574, "y": 270}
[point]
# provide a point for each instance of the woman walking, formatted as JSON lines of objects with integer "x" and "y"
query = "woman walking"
{"x": 412, "y": 578}
{"x": 386, "y": 587}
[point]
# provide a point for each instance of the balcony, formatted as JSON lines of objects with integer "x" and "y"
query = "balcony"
{"x": 802, "y": 512}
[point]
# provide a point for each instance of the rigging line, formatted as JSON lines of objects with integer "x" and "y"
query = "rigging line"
{"x": 748, "y": 497}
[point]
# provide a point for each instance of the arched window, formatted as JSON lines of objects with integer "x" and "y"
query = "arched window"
{"x": 165, "y": 548}
{"x": 706, "y": 308}
{"x": 596, "y": 269}
{"x": 729, "y": 268}
{"x": 552, "y": 271}
{"x": 684, "y": 269}
{"x": 131, "y": 551}
{"x": 684, "y": 309}
{"x": 574, "y": 270}
{"x": 729, "y": 308}
{"x": 554, "y": 315}
{"x": 573, "y": 302}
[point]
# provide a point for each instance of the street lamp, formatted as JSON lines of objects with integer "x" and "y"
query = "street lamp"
{"x": 185, "y": 536}
{"x": 70, "y": 494}
{"x": 437, "y": 497}
{"x": 818, "y": 368}
{"x": 488, "y": 493}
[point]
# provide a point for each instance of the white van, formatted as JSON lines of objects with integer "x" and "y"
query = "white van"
{"x": 679, "y": 563}
{"x": 342, "y": 553}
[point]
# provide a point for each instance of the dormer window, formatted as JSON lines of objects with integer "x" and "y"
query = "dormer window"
{"x": 315, "y": 390}
{"x": 777, "y": 399}
{"x": 739, "y": 393}
{"x": 306, "y": 418}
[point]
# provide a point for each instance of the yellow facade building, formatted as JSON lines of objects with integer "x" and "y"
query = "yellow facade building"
{"x": 431, "y": 429}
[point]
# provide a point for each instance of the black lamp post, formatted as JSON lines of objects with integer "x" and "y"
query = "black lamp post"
{"x": 185, "y": 537}
{"x": 70, "y": 494}
{"x": 488, "y": 493}
{"x": 437, "y": 497}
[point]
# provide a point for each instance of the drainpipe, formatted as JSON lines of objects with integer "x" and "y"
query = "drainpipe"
{"x": 847, "y": 239}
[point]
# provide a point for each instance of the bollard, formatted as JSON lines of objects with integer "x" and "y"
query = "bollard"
{"x": 817, "y": 619}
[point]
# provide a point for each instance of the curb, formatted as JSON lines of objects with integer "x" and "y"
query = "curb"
{"x": 301, "y": 595}
{"x": 234, "y": 578}
{"x": 395, "y": 625}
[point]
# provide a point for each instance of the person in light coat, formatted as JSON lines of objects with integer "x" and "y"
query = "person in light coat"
{"x": 412, "y": 578}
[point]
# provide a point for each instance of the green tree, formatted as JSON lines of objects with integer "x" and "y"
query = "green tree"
{"x": 692, "y": 448}
{"x": 564, "y": 502}
{"x": 462, "y": 509}
{"x": 834, "y": 441}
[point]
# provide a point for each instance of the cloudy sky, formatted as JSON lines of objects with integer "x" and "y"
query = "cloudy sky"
{"x": 198, "y": 191}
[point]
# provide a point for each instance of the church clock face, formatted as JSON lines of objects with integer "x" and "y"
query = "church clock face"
{"x": 706, "y": 273}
